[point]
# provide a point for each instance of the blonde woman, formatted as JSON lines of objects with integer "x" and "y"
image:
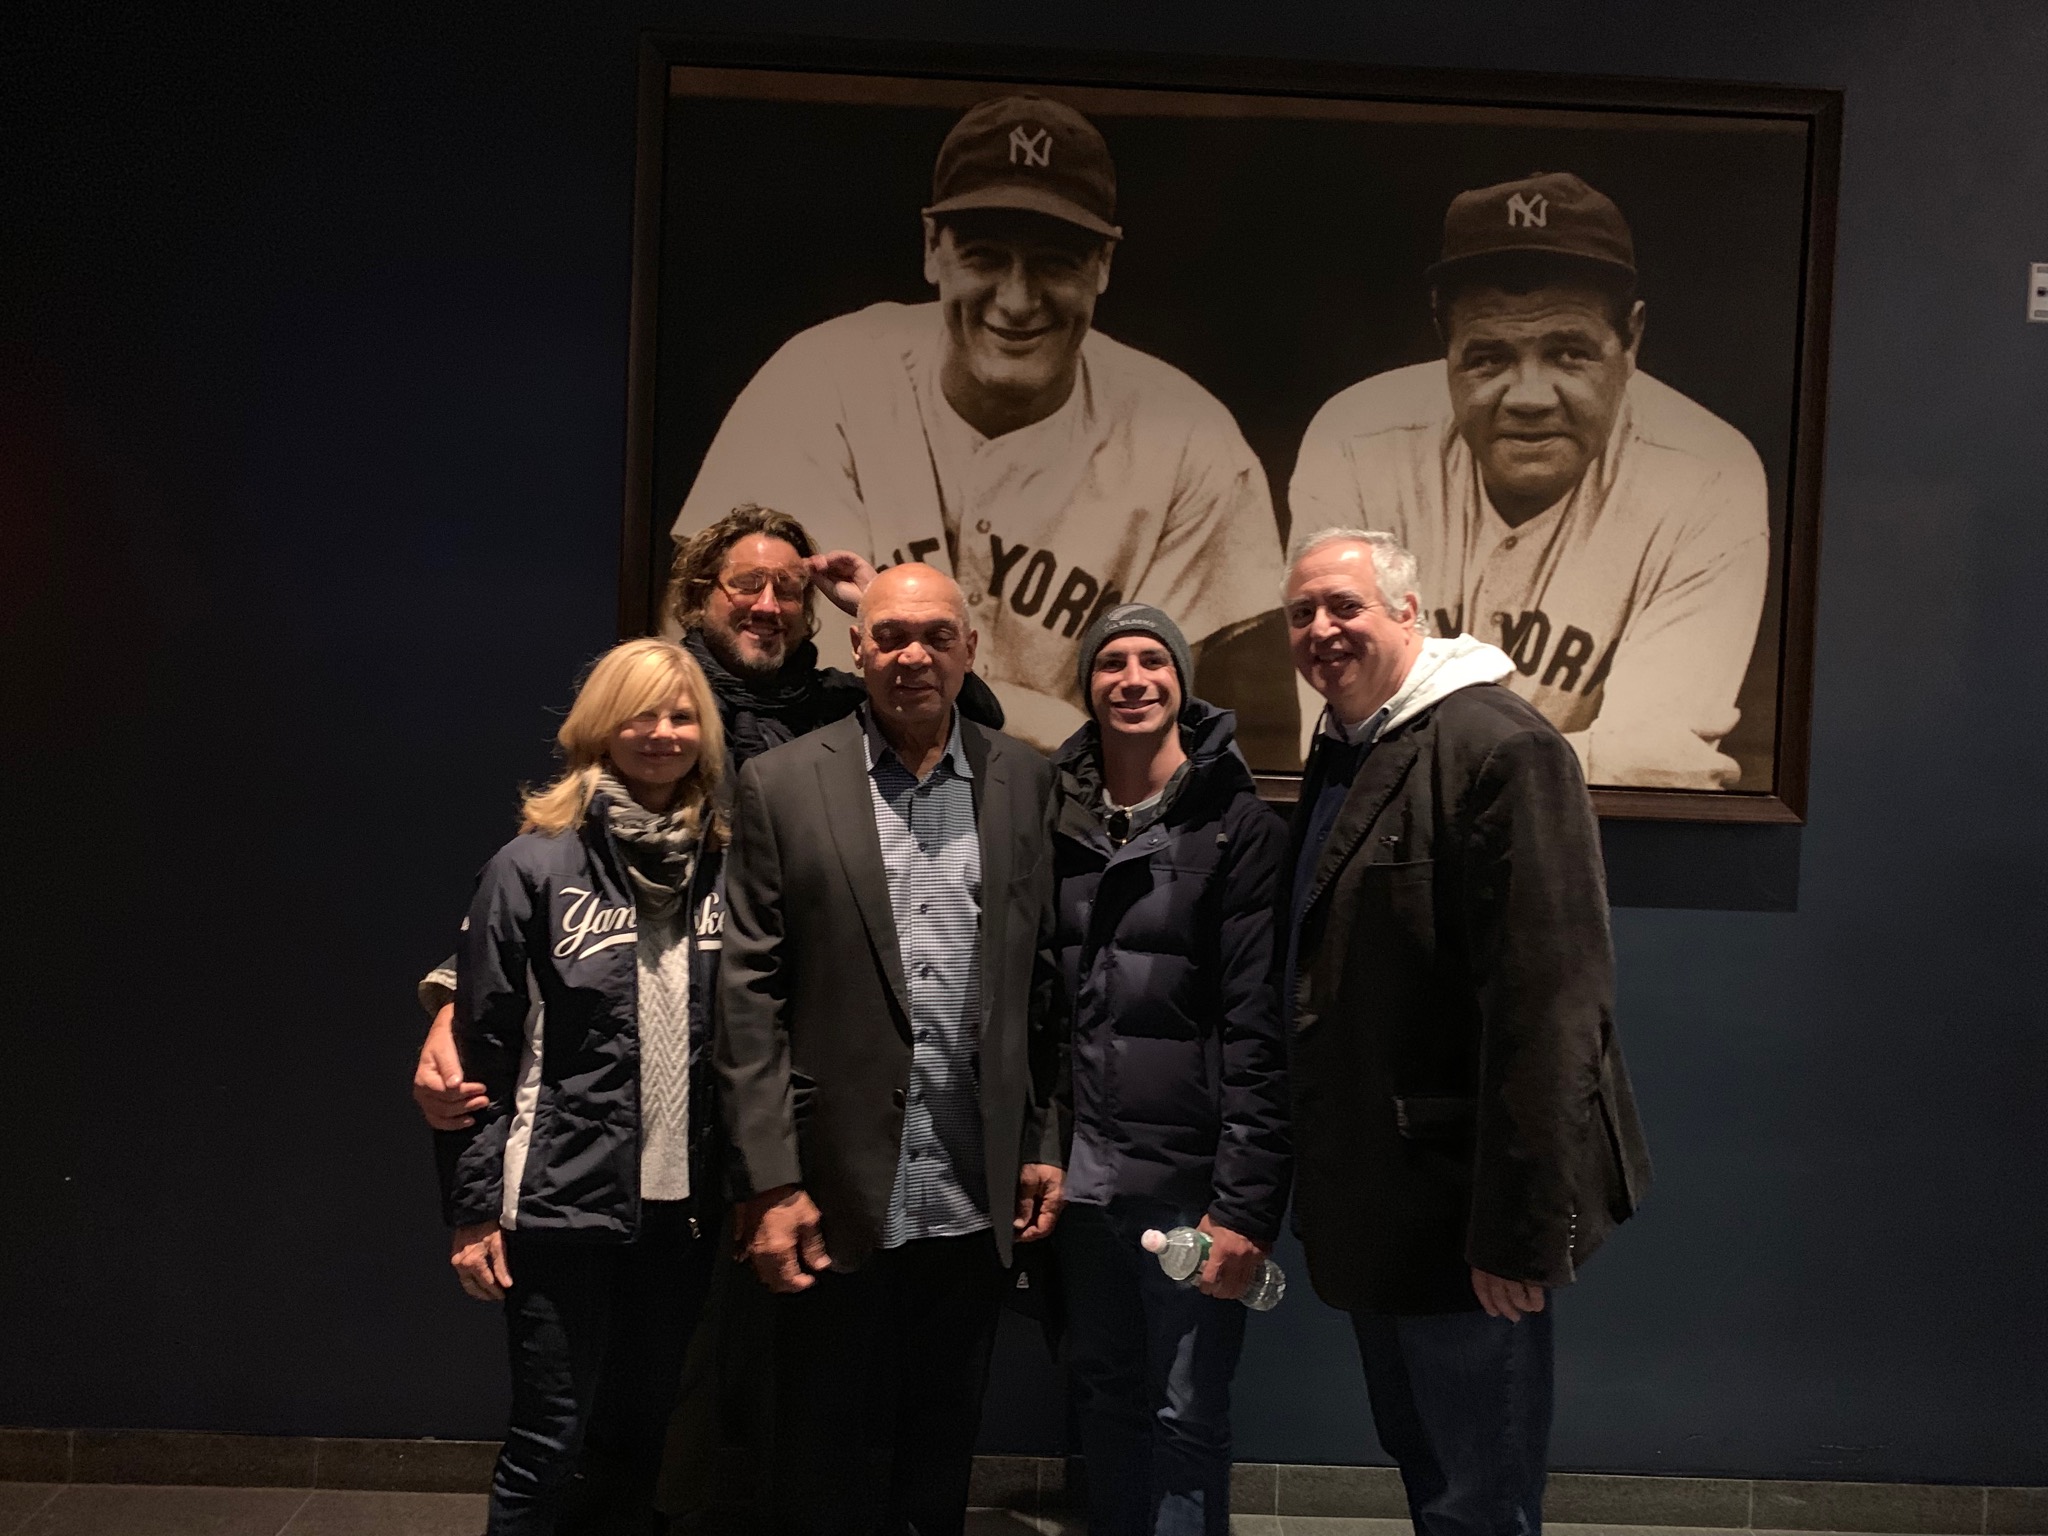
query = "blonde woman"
{"x": 583, "y": 1195}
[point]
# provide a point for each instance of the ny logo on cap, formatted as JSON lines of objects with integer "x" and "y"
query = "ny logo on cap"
{"x": 1030, "y": 148}
{"x": 1529, "y": 210}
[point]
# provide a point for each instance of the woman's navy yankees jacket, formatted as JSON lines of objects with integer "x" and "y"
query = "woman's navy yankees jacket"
{"x": 546, "y": 1018}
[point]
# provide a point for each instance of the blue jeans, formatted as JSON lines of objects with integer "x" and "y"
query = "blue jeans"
{"x": 597, "y": 1333}
{"x": 1150, "y": 1362}
{"x": 1462, "y": 1402}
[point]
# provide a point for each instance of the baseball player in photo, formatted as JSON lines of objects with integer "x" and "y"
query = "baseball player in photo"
{"x": 1609, "y": 534}
{"x": 995, "y": 434}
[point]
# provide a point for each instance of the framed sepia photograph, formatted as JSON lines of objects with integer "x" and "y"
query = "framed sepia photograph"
{"x": 1082, "y": 329}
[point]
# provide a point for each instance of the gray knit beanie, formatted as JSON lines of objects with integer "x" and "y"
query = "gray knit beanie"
{"x": 1136, "y": 619}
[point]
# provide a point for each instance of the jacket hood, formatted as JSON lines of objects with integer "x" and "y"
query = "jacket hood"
{"x": 1444, "y": 667}
{"x": 1207, "y": 734}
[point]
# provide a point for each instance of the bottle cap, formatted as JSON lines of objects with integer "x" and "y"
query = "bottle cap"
{"x": 1154, "y": 1241}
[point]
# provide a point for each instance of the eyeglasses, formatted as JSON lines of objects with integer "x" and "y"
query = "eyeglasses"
{"x": 789, "y": 589}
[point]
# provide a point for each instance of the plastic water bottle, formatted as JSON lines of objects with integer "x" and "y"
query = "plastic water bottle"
{"x": 1185, "y": 1250}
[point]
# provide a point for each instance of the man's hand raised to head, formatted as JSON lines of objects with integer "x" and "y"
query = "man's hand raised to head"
{"x": 1041, "y": 1191}
{"x": 448, "y": 1102}
{"x": 1510, "y": 1299}
{"x": 783, "y": 1237}
{"x": 842, "y": 576}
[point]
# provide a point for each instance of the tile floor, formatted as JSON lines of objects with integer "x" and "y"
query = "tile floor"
{"x": 120, "y": 1509}
{"x": 115, "y": 1509}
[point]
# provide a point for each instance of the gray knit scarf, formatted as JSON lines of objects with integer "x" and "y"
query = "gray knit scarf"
{"x": 659, "y": 847}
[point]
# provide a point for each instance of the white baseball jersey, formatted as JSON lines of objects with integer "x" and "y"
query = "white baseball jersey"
{"x": 1629, "y": 607}
{"x": 1140, "y": 488}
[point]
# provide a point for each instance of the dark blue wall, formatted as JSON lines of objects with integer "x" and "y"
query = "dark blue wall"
{"x": 311, "y": 415}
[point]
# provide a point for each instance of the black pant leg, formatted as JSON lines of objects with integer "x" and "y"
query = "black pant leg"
{"x": 730, "y": 1354}
{"x": 836, "y": 1378}
{"x": 1106, "y": 1367}
{"x": 658, "y": 1290}
{"x": 946, "y": 1304}
{"x": 879, "y": 1391}
{"x": 557, "y": 1328}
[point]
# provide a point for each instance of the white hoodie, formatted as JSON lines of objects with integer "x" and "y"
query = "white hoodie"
{"x": 1441, "y": 669}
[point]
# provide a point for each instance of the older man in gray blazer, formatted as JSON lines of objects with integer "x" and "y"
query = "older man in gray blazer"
{"x": 889, "y": 1054}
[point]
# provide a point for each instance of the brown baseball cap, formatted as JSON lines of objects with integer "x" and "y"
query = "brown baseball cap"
{"x": 1030, "y": 153}
{"x": 1552, "y": 213}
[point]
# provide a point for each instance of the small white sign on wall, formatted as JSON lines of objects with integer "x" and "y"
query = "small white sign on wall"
{"x": 2037, "y": 292}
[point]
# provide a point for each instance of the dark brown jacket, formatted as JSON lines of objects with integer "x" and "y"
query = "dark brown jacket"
{"x": 1460, "y": 1098}
{"x": 813, "y": 1046}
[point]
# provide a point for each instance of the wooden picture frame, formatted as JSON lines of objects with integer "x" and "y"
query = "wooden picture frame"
{"x": 1277, "y": 220}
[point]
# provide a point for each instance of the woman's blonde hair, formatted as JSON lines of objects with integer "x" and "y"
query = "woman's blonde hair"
{"x": 629, "y": 680}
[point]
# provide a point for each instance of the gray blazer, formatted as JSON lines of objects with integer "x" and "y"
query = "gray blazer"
{"x": 813, "y": 1046}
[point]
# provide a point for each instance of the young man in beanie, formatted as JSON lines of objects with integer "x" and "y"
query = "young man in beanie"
{"x": 1609, "y": 534}
{"x": 999, "y": 436}
{"x": 1165, "y": 863}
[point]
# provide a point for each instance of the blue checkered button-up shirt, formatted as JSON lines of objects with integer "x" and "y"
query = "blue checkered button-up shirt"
{"x": 931, "y": 849}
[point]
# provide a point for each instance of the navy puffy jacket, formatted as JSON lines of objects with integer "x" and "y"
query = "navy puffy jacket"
{"x": 547, "y": 1019}
{"x": 1179, "y": 1064}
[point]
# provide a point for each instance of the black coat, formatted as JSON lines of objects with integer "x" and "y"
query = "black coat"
{"x": 763, "y": 712}
{"x": 547, "y": 1019}
{"x": 1179, "y": 1060}
{"x": 1460, "y": 1099}
{"x": 814, "y": 1046}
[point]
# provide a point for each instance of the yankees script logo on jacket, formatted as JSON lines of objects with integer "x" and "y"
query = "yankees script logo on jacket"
{"x": 1140, "y": 488}
{"x": 546, "y": 1018}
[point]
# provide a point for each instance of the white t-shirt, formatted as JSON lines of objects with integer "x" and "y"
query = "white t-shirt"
{"x": 1140, "y": 488}
{"x": 1629, "y": 607}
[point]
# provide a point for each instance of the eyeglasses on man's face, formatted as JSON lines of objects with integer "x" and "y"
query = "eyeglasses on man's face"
{"x": 747, "y": 585}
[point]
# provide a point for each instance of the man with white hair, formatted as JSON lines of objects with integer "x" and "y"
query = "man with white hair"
{"x": 1464, "y": 1132}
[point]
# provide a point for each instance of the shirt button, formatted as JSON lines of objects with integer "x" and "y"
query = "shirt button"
{"x": 1510, "y": 541}
{"x": 924, "y": 906}
{"x": 982, "y": 526}
{"x": 977, "y": 598}
{"x": 924, "y": 970}
{"x": 1500, "y": 617}
{"x": 897, "y": 1098}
